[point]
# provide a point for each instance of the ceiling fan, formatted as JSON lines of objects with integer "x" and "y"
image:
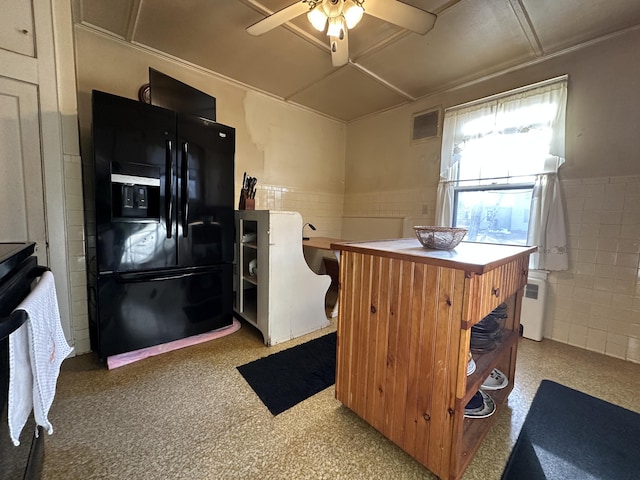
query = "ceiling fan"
{"x": 342, "y": 15}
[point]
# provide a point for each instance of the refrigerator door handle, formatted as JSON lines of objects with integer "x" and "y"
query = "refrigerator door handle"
{"x": 150, "y": 277}
{"x": 185, "y": 189}
{"x": 168, "y": 182}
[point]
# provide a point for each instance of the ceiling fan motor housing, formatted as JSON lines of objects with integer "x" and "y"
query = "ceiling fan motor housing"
{"x": 332, "y": 8}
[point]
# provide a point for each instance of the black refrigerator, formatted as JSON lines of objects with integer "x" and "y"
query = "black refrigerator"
{"x": 159, "y": 201}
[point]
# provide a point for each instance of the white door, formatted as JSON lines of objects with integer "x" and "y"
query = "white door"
{"x": 22, "y": 207}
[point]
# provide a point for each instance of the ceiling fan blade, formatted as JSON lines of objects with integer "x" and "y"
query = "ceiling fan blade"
{"x": 340, "y": 49}
{"x": 401, "y": 14}
{"x": 278, "y": 18}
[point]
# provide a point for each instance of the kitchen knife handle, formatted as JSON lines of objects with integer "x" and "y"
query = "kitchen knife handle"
{"x": 167, "y": 193}
{"x": 185, "y": 189}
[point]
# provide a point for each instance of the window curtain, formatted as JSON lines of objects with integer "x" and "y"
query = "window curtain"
{"x": 543, "y": 104}
{"x": 452, "y": 136}
{"x": 547, "y": 228}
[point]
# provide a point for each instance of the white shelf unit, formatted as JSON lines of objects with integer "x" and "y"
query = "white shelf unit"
{"x": 284, "y": 298}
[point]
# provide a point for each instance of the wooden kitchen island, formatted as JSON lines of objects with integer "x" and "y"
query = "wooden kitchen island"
{"x": 404, "y": 328}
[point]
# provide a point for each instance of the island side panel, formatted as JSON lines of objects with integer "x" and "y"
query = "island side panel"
{"x": 380, "y": 316}
{"x": 378, "y": 335}
{"x": 457, "y": 364}
{"x": 420, "y": 367}
{"x": 447, "y": 331}
{"x": 413, "y": 397}
{"x": 422, "y": 395}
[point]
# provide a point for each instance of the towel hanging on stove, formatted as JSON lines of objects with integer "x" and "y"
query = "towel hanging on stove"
{"x": 47, "y": 348}
{"x": 20, "y": 400}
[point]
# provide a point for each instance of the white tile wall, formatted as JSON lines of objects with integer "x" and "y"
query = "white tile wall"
{"x": 75, "y": 253}
{"x": 596, "y": 304}
{"x": 322, "y": 209}
{"x": 401, "y": 203}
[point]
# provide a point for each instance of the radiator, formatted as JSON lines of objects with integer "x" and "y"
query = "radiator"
{"x": 533, "y": 306}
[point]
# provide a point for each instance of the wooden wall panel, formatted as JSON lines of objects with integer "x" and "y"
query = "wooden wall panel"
{"x": 441, "y": 419}
{"x": 381, "y": 309}
{"x": 401, "y": 357}
{"x": 414, "y": 413}
{"x": 377, "y": 331}
{"x": 360, "y": 331}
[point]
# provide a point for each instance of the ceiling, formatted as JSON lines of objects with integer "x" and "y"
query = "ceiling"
{"x": 388, "y": 66}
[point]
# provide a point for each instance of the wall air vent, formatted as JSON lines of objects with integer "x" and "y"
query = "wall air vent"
{"x": 426, "y": 125}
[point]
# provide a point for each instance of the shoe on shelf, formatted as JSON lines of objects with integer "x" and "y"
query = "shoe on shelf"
{"x": 476, "y": 403}
{"x": 495, "y": 381}
{"x": 481, "y": 405}
{"x": 471, "y": 365}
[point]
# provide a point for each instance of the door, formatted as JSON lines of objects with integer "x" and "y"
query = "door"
{"x": 205, "y": 191}
{"x": 134, "y": 162}
{"x": 139, "y": 310}
{"x": 22, "y": 208}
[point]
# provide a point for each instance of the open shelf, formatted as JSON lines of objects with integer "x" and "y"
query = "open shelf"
{"x": 250, "y": 306}
{"x": 250, "y": 279}
{"x": 486, "y": 362}
{"x": 475, "y": 429}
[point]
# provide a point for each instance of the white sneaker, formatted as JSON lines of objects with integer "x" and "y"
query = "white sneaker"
{"x": 495, "y": 381}
{"x": 471, "y": 365}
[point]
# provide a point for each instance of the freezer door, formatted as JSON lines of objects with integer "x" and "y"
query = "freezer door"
{"x": 142, "y": 310}
{"x": 134, "y": 189}
{"x": 205, "y": 192}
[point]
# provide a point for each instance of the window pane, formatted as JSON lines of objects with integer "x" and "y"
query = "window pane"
{"x": 492, "y": 156}
{"x": 494, "y": 216}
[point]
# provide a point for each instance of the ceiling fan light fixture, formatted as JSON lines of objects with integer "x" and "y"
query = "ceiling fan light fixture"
{"x": 317, "y": 18}
{"x": 336, "y": 26}
{"x": 352, "y": 13}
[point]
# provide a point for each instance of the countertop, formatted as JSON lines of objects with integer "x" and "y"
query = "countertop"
{"x": 468, "y": 256}
{"x": 322, "y": 243}
{"x": 11, "y": 254}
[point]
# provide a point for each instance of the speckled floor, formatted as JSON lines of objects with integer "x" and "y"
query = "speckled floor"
{"x": 189, "y": 414}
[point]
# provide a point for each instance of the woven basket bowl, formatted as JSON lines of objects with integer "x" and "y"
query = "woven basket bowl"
{"x": 439, "y": 238}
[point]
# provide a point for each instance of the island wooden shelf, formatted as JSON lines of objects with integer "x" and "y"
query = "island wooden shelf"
{"x": 404, "y": 330}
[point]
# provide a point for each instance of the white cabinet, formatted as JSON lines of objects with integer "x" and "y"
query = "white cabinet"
{"x": 17, "y": 27}
{"x": 276, "y": 291}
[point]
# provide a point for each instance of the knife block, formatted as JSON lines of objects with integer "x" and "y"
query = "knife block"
{"x": 246, "y": 203}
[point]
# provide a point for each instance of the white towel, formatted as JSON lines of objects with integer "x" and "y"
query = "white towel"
{"x": 47, "y": 349}
{"x": 20, "y": 382}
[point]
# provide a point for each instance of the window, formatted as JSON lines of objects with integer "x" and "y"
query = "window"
{"x": 494, "y": 215}
{"x": 500, "y": 158}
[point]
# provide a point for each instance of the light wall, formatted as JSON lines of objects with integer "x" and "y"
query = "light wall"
{"x": 596, "y": 304}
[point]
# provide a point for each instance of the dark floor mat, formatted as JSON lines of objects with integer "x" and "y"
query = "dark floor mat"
{"x": 288, "y": 377}
{"x": 571, "y": 435}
